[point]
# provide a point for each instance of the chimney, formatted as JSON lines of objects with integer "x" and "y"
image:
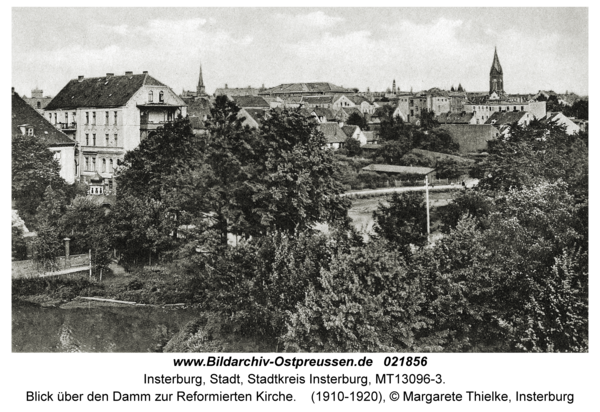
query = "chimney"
{"x": 145, "y": 72}
{"x": 109, "y": 75}
{"x": 80, "y": 78}
{"x": 128, "y": 73}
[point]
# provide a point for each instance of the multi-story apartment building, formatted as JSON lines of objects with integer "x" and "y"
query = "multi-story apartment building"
{"x": 110, "y": 115}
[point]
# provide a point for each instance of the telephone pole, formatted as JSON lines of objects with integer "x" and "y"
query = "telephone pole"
{"x": 427, "y": 204}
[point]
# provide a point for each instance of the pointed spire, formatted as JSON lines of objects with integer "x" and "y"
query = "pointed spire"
{"x": 496, "y": 67}
{"x": 200, "y": 88}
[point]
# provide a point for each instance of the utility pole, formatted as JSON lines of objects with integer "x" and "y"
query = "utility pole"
{"x": 427, "y": 204}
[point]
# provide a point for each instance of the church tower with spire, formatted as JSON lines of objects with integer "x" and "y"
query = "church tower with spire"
{"x": 496, "y": 76}
{"x": 200, "y": 90}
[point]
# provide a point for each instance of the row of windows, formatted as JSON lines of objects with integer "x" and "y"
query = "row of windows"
{"x": 94, "y": 142}
{"x": 498, "y": 108}
{"x": 104, "y": 165}
{"x": 87, "y": 118}
{"x": 161, "y": 96}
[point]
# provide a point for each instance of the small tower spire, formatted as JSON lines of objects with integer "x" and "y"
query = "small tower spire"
{"x": 200, "y": 90}
{"x": 394, "y": 86}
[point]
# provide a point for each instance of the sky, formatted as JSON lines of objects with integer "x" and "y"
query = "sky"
{"x": 539, "y": 48}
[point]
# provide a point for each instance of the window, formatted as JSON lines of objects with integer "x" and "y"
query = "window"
{"x": 116, "y": 140}
{"x": 106, "y": 137}
{"x": 151, "y": 96}
{"x": 161, "y": 96}
{"x": 87, "y": 139}
{"x": 85, "y": 163}
{"x": 94, "y": 140}
{"x": 30, "y": 131}
{"x": 39, "y": 105}
{"x": 73, "y": 117}
{"x": 50, "y": 117}
{"x": 94, "y": 118}
{"x": 93, "y": 164}
{"x": 111, "y": 166}
{"x": 115, "y": 118}
{"x": 55, "y": 118}
{"x": 87, "y": 117}
{"x": 104, "y": 166}
{"x": 110, "y": 183}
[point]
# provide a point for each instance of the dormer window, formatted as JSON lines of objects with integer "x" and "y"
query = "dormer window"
{"x": 151, "y": 96}
{"x": 161, "y": 97}
{"x": 30, "y": 131}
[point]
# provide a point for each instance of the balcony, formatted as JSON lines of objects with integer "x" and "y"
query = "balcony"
{"x": 66, "y": 126}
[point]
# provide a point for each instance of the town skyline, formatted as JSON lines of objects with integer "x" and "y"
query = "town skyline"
{"x": 540, "y": 49}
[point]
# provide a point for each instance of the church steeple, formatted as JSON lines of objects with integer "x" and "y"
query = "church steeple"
{"x": 496, "y": 75}
{"x": 394, "y": 86}
{"x": 200, "y": 88}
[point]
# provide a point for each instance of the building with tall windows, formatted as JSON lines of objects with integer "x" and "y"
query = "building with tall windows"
{"x": 109, "y": 116}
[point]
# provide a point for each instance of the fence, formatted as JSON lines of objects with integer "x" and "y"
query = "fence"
{"x": 29, "y": 268}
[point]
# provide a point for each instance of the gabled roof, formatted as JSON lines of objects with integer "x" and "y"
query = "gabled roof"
{"x": 324, "y": 112}
{"x": 350, "y": 110}
{"x": 333, "y": 132}
{"x": 251, "y": 101}
{"x": 306, "y": 88}
{"x": 500, "y": 118}
{"x": 398, "y": 169}
{"x": 349, "y": 129}
{"x": 24, "y": 114}
{"x": 107, "y": 91}
{"x": 356, "y": 99}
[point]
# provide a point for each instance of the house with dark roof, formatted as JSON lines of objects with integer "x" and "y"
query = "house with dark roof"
{"x": 324, "y": 115}
{"x": 251, "y": 102}
{"x": 110, "y": 115}
{"x": 27, "y": 121}
{"x": 334, "y": 134}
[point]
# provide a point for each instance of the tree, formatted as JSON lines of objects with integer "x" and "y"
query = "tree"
{"x": 353, "y": 147}
{"x": 33, "y": 169}
{"x": 90, "y": 227}
{"x": 366, "y": 301}
{"x": 357, "y": 120}
{"x": 293, "y": 184}
{"x": 579, "y": 110}
{"x": 19, "y": 247}
{"x": 403, "y": 221}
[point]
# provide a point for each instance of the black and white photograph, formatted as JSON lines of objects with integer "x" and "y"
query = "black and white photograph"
{"x": 299, "y": 180}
